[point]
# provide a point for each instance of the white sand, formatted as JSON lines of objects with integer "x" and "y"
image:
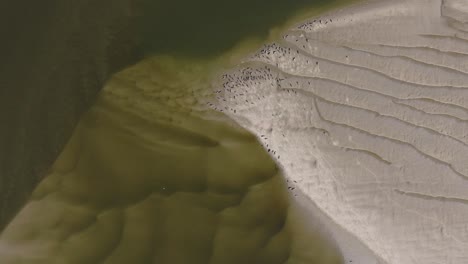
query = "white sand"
{"x": 366, "y": 109}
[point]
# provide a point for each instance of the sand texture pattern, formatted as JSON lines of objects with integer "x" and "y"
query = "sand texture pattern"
{"x": 366, "y": 110}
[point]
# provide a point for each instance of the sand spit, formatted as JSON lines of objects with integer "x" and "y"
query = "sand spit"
{"x": 366, "y": 110}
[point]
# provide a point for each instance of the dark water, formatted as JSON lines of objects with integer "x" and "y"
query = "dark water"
{"x": 207, "y": 27}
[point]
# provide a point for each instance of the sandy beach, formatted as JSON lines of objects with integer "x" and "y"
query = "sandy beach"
{"x": 365, "y": 109}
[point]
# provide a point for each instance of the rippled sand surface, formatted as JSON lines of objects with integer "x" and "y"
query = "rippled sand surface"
{"x": 366, "y": 111}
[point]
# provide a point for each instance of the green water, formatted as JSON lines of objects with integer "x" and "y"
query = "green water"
{"x": 211, "y": 27}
